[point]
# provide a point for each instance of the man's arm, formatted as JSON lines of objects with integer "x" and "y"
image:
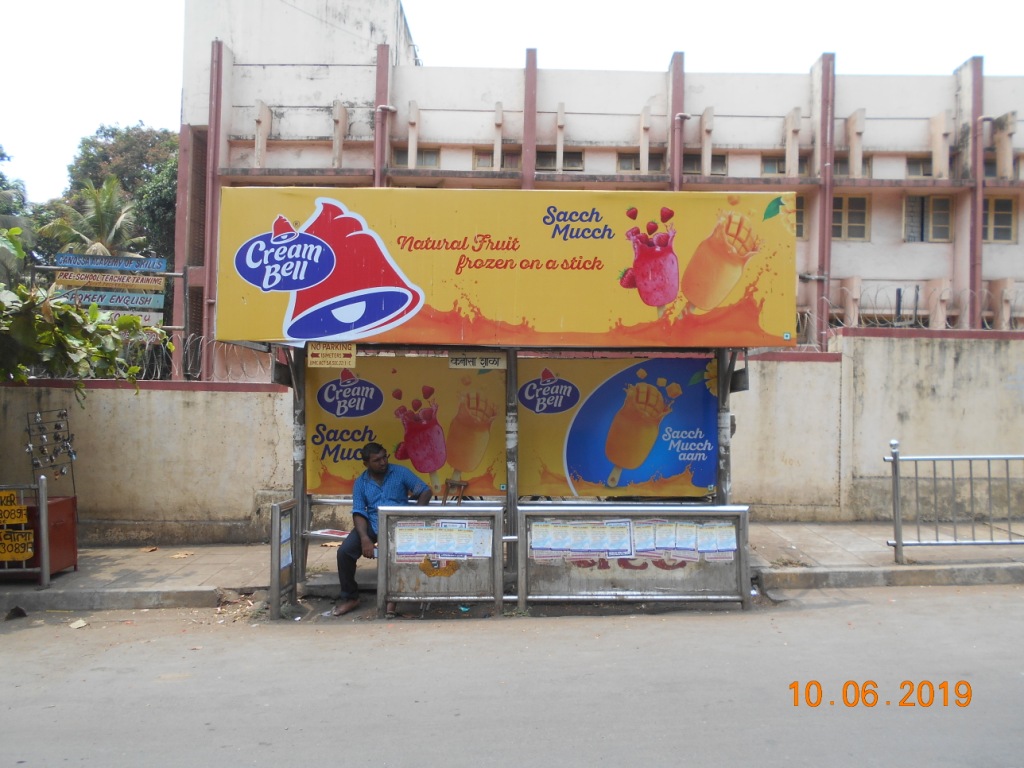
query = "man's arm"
{"x": 360, "y": 519}
{"x": 415, "y": 487}
{"x": 362, "y": 526}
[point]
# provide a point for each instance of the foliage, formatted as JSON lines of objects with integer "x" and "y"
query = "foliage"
{"x": 13, "y": 210}
{"x": 43, "y": 333}
{"x": 43, "y": 214}
{"x": 13, "y": 201}
{"x": 133, "y": 155}
{"x": 103, "y": 225}
{"x": 157, "y": 205}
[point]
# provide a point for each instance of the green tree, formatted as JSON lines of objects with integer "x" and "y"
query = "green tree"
{"x": 156, "y": 206}
{"x": 13, "y": 216}
{"x": 133, "y": 155}
{"x": 102, "y": 224}
{"x": 42, "y": 214}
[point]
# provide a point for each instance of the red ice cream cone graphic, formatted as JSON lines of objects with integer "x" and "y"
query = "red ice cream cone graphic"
{"x": 366, "y": 293}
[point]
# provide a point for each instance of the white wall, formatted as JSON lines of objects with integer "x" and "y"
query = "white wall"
{"x": 195, "y": 465}
{"x": 304, "y": 32}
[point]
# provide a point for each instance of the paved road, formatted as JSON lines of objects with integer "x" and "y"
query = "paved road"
{"x": 671, "y": 687}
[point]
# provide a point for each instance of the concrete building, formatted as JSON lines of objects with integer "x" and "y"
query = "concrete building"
{"x": 908, "y": 188}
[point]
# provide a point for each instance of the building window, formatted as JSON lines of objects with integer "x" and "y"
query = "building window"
{"x": 692, "y": 165}
{"x": 919, "y": 167}
{"x": 849, "y": 218}
{"x": 1000, "y": 220}
{"x": 773, "y": 166}
{"x": 571, "y": 161}
{"x": 928, "y": 219}
{"x": 629, "y": 162}
{"x": 992, "y": 171}
{"x": 776, "y": 166}
{"x": 800, "y": 208}
{"x": 841, "y": 167}
{"x": 425, "y": 158}
{"x": 483, "y": 160}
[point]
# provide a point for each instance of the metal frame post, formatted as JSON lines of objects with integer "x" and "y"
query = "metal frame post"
{"x": 897, "y": 512}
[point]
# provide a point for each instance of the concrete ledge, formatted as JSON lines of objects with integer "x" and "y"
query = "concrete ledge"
{"x": 894, "y": 576}
{"x": 110, "y": 599}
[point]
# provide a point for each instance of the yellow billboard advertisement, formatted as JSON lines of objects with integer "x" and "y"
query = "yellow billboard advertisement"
{"x": 507, "y": 267}
{"x": 614, "y": 428}
{"x": 442, "y": 422}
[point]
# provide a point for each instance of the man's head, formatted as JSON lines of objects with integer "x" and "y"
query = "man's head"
{"x": 375, "y": 458}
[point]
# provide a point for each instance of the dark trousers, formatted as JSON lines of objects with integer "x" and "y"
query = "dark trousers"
{"x": 348, "y": 555}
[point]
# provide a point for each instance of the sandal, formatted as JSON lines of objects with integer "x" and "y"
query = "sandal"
{"x": 391, "y": 611}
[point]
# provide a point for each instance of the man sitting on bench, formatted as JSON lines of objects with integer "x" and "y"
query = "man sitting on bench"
{"x": 380, "y": 484}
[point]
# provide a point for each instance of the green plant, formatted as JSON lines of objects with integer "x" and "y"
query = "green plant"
{"x": 43, "y": 333}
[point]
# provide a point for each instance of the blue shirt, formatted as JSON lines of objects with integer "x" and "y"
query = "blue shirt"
{"x": 398, "y": 484}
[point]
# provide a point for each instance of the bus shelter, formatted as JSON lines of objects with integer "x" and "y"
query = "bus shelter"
{"x": 523, "y": 348}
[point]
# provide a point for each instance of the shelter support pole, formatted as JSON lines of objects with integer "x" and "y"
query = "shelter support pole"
{"x": 297, "y": 368}
{"x": 511, "y": 451}
{"x": 726, "y": 363}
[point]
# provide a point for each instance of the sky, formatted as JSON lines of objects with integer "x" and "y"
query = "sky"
{"x": 74, "y": 65}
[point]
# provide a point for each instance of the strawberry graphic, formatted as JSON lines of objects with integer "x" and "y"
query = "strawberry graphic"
{"x": 662, "y": 239}
{"x": 397, "y": 394}
{"x": 628, "y": 278}
{"x": 666, "y": 215}
{"x": 632, "y": 212}
{"x": 416, "y": 405}
{"x": 652, "y": 227}
{"x": 427, "y": 391}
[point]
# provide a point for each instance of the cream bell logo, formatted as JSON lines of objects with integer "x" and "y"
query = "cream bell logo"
{"x": 283, "y": 259}
{"x": 344, "y": 285}
{"x": 549, "y": 394}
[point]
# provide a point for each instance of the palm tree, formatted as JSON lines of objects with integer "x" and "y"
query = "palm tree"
{"x": 105, "y": 225}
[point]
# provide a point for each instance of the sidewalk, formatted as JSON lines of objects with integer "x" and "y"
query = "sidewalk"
{"x": 783, "y": 556}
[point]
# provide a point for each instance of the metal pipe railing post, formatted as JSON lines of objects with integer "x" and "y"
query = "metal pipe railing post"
{"x": 897, "y": 513}
{"x": 44, "y": 533}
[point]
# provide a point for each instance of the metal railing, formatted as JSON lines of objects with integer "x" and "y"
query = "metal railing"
{"x": 956, "y": 500}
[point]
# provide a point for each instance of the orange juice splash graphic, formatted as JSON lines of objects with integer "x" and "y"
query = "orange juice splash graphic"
{"x": 469, "y": 433}
{"x": 717, "y": 263}
{"x": 634, "y": 429}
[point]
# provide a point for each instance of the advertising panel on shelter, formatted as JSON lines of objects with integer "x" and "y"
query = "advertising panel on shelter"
{"x": 521, "y": 268}
{"x": 441, "y": 422}
{"x": 618, "y": 427}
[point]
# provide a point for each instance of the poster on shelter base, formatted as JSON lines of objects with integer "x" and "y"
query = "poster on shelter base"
{"x": 585, "y": 268}
{"x": 611, "y": 428}
{"x": 443, "y": 423}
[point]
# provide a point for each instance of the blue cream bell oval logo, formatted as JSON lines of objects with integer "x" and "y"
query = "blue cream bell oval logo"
{"x": 549, "y": 394}
{"x": 284, "y": 260}
{"x": 349, "y": 396}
